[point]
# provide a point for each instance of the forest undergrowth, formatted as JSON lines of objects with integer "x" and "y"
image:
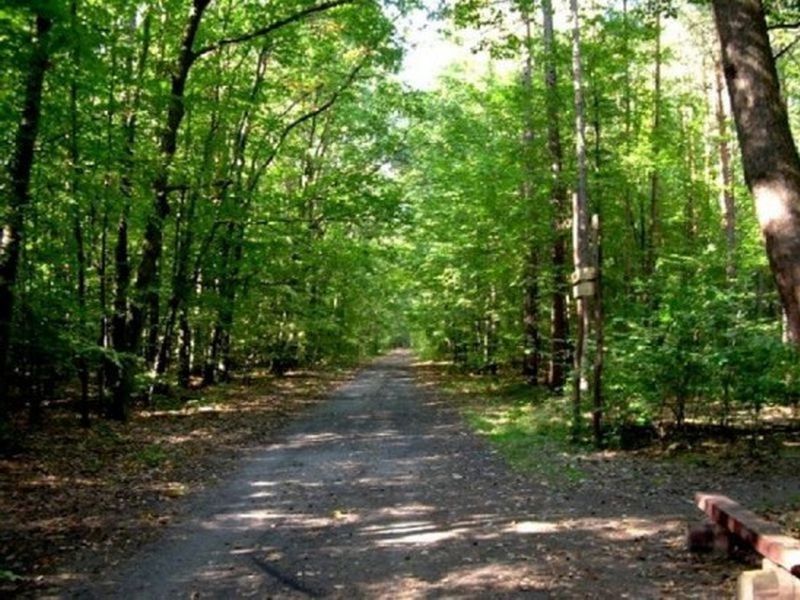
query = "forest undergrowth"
{"x": 534, "y": 437}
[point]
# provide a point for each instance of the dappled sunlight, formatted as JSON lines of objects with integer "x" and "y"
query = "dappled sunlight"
{"x": 497, "y": 577}
{"x": 404, "y": 511}
{"x": 55, "y": 481}
{"x": 420, "y": 538}
{"x": 774, "y": 199}
{"x": 305, "y": 440}
{"x": 411, "y": 532}
{"x": 259, "y": 517}
{"x": 529, "y": 527}
{"x": 194, "y": 435}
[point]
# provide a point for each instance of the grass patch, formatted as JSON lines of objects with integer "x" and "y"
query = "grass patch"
{"x": 526, "y": 425}
{"x": 152, "y": 456}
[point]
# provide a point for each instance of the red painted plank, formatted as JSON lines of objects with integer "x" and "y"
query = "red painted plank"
{"x": 762, "y": 535}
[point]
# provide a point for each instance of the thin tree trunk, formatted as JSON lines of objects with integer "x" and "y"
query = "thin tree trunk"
{"x": 184, "y": 349}
{"x": 531, "y": 361}
{"x": 19, "y": 175}
{"x": 598, "y": 311}
{"x": 104, "y": 337}
{"x": 533, "y": 342}
{"x": 580, "y": 231}
{"x": 80, "y": 249}
{"x": 727, "y": 201}
{"x": 690, "y": 191}
{"x": 629, "y": 211}
{"x": 651, "y": 249}
{"x": 181, "y": 288}
{"x": 769, "y": 155}
{"x": 120, "y": 373}
{"x": 598, "y": 318}
{"x": 558, "y": 194}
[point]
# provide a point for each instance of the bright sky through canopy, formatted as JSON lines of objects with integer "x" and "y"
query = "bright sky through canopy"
{"x": 427, "y": 53}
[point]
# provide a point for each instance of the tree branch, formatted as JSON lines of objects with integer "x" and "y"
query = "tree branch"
{"x": 305, "y": 117}
{"x": 787, "y": 48}
{"x": 793, "y": 25}
{"x": 266, "y": 30}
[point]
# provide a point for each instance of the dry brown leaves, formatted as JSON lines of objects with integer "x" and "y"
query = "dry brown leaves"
{"x": 76, "y": 500}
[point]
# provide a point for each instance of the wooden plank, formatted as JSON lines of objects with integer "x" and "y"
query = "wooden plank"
{"x": 758, "y": 585}
{"x": 765, "y": 537}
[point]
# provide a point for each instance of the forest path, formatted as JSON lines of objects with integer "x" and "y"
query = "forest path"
{"x": 382, "y": 492}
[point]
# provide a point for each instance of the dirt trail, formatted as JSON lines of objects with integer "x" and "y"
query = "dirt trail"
{"x": 382, "y": 492}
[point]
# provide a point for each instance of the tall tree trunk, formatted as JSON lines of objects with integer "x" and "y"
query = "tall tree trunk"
{"x": 531, "y": 361}
{"x": 230, "y": 284}
{"x": 581, "y": 244}
{"x": 19, "y": 175}
{"x": 598, "y": 310}
{"x": 107, "y": 368}
{"x": 727, "y": 201}
{"x": 492, "y": 323}
{"x": 80, "y": 247}
{"x": 630, "y": 215}
{"x": 184, "y": 276}
{"x": 769, "y": 155}
{"x": 598, "y": 318}
{"x": 120, "y": 373}
{"x": 558, "y": 198}
{"x": 654, "y": 229}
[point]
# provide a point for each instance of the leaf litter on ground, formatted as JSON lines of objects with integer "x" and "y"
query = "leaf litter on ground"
{"x": 75, "y": 500}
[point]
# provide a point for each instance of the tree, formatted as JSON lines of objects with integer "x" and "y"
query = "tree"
{"x": 769, "y": 155}
{"x": 559, "y": 324}
{"x": 19, "y": 176}
{"x": 533, "y": 345}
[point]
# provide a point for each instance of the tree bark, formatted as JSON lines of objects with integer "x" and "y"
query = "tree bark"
{"x": 533, "y": 343}
{"x": 77, "y": 224}
{"x": 581, "y": 244}
{"x": 654, "y": 228}
{"x": 120, "y": 374}
{"x": 598, "y": 318}
{"x": 727, "y": 201}
{"x": 769, "y": 155}
{"x": 531, "y": 360}
{"x": 19, "y": 174}
{"x": 559, "y": 325}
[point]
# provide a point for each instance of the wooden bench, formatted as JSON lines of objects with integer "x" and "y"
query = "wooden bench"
{"x": 728, "y": 524}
